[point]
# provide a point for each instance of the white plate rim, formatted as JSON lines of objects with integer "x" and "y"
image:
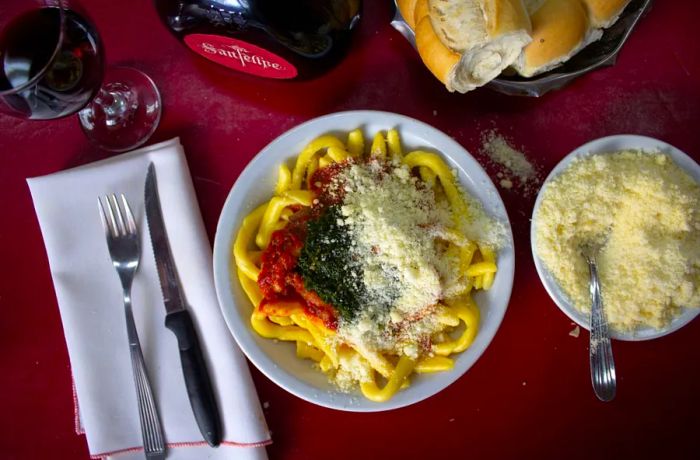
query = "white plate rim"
{"x": 222, "y": 260}
{"x": 604, "y": 145}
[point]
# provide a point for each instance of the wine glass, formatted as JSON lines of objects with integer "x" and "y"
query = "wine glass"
{"x": 52, "y": 66}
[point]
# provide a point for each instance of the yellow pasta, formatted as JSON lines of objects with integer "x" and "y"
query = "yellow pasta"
{"x": 374, "y": 393}
{"x": 427, "y": 175}
{"x": 240, "y": 246}
{"x": 270, "y": 330}
{"x": 270, "y": 218}
{"x": 310, "y": 170}
{"x": 489, "y": 256}
{"x": 356, "y": 143}
{"x": 324, "y": 161}
{"x": 338, "y": 155}
{"x": 306, "y": 155}
{"x": 457, "y": 318}
{"x": 434, "y": 364}
{"x": 467, "y": 312}
{"x": 305, "y": 350}
{"x": 436, "y": 164}
{"x": 378, "y": 149}
{"x": 302, "y": 197}
{"x": 481, "y": 268}
{"x": 284, "y": 180}
{"x": 318, "y": 334}
{"x": 286, "y": 214}
{"x": 281, "y": 320}
{"x": 250, "y": 288}
{"x": 394, "y": 143}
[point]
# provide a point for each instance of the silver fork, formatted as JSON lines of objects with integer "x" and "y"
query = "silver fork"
{"x": 603, "y": 375}
{"x": 123, "y": 244}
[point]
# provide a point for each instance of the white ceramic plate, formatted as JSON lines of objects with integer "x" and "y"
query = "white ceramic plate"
{"x": 607, "y": 145}
{"x": 255, "y": 185}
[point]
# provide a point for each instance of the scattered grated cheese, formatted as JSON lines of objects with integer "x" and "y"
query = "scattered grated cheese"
{"x": 575, "y": 332}
{"x": 514, "y": 169}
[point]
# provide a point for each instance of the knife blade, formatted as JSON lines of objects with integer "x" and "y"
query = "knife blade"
{"x": 178, "y": 320}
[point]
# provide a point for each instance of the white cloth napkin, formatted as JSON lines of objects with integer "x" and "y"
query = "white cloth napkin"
{"x": 90, "y": 301}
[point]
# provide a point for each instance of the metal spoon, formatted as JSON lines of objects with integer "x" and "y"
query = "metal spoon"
{"x": 601, "y": 357}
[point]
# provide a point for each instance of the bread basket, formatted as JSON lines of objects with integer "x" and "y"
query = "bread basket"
{"x": 598, "y": 54}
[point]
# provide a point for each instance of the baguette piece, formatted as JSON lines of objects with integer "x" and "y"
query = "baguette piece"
{"x": 532, "y": 5}
{"x": 560, "y": 29}
{"x": 420, "y": 10}
{"x": 438, "y": 58}
{"x": 604, "y": 13}
{"x": 406, "y": 8}
{"x": 467, "y": 43}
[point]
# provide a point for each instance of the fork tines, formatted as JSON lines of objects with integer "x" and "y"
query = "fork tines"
{"x": 113, "y": 220}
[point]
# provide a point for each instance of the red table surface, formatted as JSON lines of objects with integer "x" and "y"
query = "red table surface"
{"x": 528, "y": 395}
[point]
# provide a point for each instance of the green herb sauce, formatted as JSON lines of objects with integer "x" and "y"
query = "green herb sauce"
{"x": 327, "y": 266}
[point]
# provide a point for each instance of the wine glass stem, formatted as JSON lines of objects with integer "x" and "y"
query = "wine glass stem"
{"x": 117, "y": 104}
{"x": 124, "y": 112}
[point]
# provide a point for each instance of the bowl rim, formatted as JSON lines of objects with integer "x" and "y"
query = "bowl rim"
{"x": 223, "y": 260}
{"x": 606, "y": 145}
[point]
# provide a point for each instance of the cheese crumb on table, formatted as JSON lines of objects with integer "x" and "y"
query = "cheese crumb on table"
{"x": 514, "y": 168}
{"x": 645, "y": 209}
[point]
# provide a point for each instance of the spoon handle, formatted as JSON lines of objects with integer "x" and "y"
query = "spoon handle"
{"x": 601, "y": 356}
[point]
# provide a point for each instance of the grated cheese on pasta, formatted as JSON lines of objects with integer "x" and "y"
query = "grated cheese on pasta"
{"x": 398, "y": 228}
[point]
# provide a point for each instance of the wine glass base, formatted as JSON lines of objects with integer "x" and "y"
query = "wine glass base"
{"x": 124, "y": 113}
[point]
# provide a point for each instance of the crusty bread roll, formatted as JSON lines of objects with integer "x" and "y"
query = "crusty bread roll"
{"x": 532, "y": 5}
{"x": 560, "y": 28}
{"x": 438, "y": 58}
{"x": 467, "y": 43}
{"x": 420, "y": 10}
{"x": 406, "y": 8}
{"x": 604, "y": 13}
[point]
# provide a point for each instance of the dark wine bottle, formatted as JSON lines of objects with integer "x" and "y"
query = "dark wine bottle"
{"x": 282, "y": 39}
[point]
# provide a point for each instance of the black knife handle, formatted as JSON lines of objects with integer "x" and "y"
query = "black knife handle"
{"x": 196, "y": 376}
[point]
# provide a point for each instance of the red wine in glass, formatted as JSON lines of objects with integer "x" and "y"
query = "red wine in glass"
{"x": 51, "y": 66}
{"x": 67, "y": 77}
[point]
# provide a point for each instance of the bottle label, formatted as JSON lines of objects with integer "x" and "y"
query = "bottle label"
{"x": 242, "y": 56}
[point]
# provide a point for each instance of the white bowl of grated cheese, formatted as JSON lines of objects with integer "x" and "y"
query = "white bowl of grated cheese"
{"x": 277, "y": 360}
{"x": 608, "y": 145}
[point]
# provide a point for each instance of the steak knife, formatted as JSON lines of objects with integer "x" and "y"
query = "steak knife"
{"x": 178, "y": 320}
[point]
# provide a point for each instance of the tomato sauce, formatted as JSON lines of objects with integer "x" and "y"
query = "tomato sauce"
{"x": 280, "y": 284}
{"x": 320, "y": 180}
{"x": 280, "y": 258}
{"x": 282, "y": 287}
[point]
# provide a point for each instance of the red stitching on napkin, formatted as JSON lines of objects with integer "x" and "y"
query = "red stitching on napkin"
{"x": 80, "y": 431}
{"x": 76, "y": 409}
{"x": 171, "y": 445}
